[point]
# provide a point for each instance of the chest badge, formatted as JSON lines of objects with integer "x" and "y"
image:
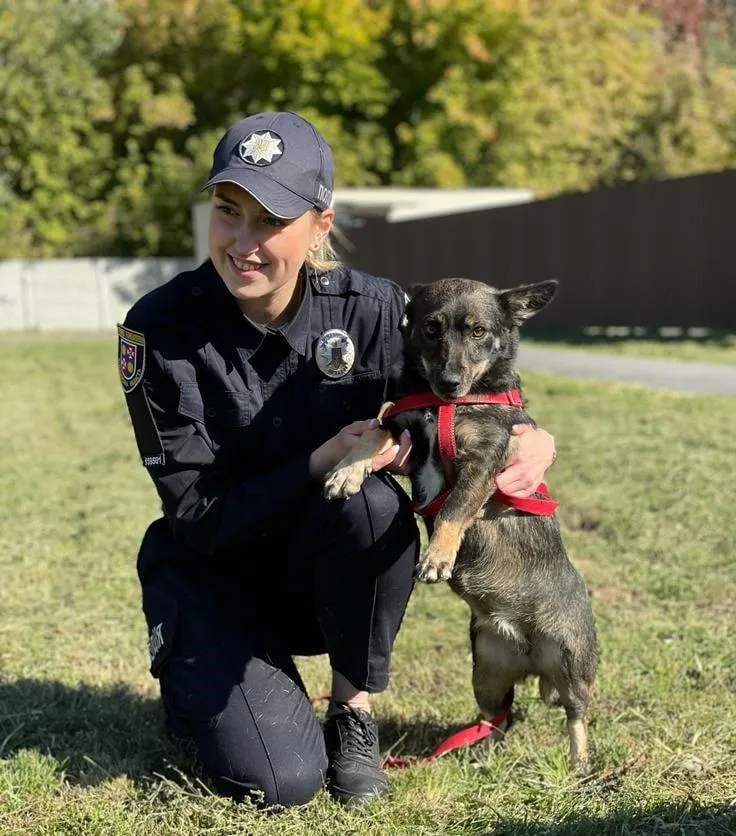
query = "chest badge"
{"x": 335, "y": 353}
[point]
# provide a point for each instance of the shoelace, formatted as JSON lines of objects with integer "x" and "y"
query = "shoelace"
{"x": 360, "y": 737}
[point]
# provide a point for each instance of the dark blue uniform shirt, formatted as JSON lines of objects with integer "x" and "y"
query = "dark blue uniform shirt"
{"x": 226, "y": 412}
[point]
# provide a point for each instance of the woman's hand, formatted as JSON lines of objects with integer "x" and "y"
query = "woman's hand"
{"x": 400, "y": 463}
{"x": 324, "y": 458}
{"x": 531, "y": 451}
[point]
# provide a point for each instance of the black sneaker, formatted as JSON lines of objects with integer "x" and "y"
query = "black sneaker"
{"x": 354, "y": 772}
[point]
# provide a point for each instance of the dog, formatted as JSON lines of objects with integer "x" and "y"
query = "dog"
{"x": 530, "y": 609}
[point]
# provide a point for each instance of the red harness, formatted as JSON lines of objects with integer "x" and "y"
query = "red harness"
{"x": 448, "y": 451}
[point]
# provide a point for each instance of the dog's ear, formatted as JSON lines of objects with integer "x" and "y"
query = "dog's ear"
{"x": 412, "y": 290}
{"x": 409, "y": 293}
{"x": 524, "y": 301}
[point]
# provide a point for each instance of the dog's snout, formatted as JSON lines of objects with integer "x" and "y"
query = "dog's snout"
{"x": 451, "y": 380}
{"x": 450, "y": 384}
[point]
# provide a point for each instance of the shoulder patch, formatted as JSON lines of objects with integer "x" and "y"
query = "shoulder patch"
{"x": 131, "y": 357}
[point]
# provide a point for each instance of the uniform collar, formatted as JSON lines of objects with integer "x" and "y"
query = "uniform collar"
{"x": 251, "y": 335}
{"x": 296, "y": 331}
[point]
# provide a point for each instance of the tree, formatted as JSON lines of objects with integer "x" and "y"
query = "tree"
{"x": 447, "y": 64}
{"x": 400, "y": 88}
{"x": 54, "y": 160}
{"x": 186, "y": 69}
{"x": 109, "y": 113}
{"x": 578, "y": 86}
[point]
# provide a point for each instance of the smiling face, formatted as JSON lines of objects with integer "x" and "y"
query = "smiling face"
{"x": 257, "y": 255}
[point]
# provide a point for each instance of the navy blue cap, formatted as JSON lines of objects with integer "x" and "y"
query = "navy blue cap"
{"x": 280, "y": 159}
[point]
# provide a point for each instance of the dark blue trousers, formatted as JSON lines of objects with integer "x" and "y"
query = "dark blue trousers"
{"x": 336, "y": 580}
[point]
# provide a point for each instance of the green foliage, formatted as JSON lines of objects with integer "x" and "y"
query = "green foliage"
{"x": 110, "y": 110}
{"x": 447, "y": 64}
{"x": 579, "y": 81}
{"x": 54, "y": 152}
{"x": 688, "y": 126}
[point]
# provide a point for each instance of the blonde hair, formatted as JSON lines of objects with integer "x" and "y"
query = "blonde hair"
{"x": 324, "y": 257}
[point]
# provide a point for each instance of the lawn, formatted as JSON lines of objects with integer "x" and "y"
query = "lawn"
{"x": 701, "y": 345}
{"x": 643, "y": 480}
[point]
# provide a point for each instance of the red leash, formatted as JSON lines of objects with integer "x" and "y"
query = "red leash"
{"x": 544, "y": 507}
{"x": 463, "y": 737}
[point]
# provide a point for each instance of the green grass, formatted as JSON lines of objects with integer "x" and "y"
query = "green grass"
{"x": 644, "y": 484}
{"x": 702, "y": 344}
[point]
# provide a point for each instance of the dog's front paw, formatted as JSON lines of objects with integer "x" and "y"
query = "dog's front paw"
{"x": 345, "y": 481}
{"x": 435, "y": 566}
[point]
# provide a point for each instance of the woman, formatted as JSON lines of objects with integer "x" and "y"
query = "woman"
{"x": 247, "y": 379}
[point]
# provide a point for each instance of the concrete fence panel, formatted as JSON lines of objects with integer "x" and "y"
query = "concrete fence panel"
{"x": 78, "y": 293}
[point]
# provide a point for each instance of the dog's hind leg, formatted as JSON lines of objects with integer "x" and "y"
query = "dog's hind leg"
{"x": 574, "y": 699}
{"x": 497, "y": 666}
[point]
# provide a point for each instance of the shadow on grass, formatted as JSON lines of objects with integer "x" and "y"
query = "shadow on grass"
{"x": 98, "y": 732}
{"x": 93, "y": 732}
{"x": 686, "y": 819}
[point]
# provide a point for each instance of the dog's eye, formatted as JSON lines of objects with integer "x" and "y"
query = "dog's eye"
{"x": 478, "y": 332}
{"x": 431, "y": 329}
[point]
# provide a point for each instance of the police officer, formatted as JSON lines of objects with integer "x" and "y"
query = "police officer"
{"x": 246, "y": 380}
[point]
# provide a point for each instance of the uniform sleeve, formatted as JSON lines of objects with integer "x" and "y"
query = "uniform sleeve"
{"x": 209, "y": 507}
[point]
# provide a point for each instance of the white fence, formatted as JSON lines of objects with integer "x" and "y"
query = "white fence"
{"x": 78, "y": 293}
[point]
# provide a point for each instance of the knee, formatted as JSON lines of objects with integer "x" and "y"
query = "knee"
{"x": 291, "y": 786}
{"x": 381, "y": 511}
{"x": 244, "y": 761}
{"x": 298, "y": 786}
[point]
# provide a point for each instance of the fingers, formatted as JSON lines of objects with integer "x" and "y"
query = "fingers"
{"x": 512, "y": 451}
{"x": 529, "y": 455}
{"x": 404, "y": 449}
{"x": 360, "y": 427}
{"x": 518, "y": 481}
{"x": 381, "y": 460}
{"x": 400, "y": 463}
{"x": 520, "y": 429}
{"x": 350, "y": 434}
{"x": 530, "y": 446}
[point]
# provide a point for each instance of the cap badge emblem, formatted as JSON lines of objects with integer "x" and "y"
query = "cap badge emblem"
{"x": 261, "y": 148}
{"x": 335, "y": 353}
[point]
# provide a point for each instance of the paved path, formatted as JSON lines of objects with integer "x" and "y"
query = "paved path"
{"x": 649, "y": 371}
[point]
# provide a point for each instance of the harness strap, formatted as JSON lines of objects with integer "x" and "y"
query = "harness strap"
{"x": 464, "y": 737}
{"x": 422, "y": 400}
{"x": 433, "y": 507}
{"x": 545, "y": 506}
{"x": 446, "y": 432}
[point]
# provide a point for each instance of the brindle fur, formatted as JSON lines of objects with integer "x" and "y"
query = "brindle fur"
{"x": 530, "y": 611}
